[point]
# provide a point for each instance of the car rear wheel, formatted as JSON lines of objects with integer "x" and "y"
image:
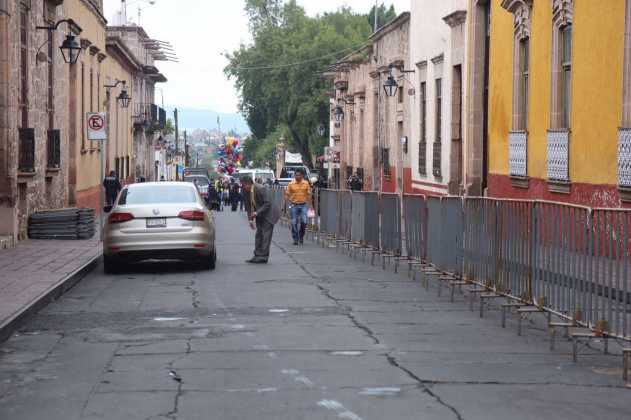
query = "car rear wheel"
{"x": 212, "y": 261}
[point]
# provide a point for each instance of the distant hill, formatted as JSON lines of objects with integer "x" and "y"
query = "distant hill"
{"x": 192, "y": 118}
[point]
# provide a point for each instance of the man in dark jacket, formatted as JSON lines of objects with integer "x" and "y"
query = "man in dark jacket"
{"x": 263, "y": 214}
{"x": 112, "y": 187}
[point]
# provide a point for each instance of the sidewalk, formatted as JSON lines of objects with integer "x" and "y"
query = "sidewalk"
{"x": 36, "y": 271}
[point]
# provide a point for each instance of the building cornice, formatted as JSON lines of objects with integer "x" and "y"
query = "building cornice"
{"x": 122, "y": 54}
{"x": 456, "y": 18}
{"x": 438, "y": 59}
{"x": 396, "y": 23}
{"x": 96, "y": 11}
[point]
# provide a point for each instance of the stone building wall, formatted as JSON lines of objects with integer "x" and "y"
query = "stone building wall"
{"x": 26, "y": 192}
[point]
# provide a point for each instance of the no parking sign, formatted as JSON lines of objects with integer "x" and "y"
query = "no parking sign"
{"x": 95, "y": 121}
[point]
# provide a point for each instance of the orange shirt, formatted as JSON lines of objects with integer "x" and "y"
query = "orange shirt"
{"x": 298, "y": 193}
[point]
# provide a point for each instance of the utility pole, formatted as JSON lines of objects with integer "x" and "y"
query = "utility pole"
{"x": 376, "y": 15}
{"x": 185, "y": 150}
{"x": 177, "y": 140}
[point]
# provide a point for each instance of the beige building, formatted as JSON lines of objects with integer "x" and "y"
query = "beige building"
{"x": 46, "y": 159}
{"x": 370, "y": 128}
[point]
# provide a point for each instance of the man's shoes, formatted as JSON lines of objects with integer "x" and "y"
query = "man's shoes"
{"x": 256, "y": 261}
{"x": 295, "y": 242}
{"x": 302, "y": 241}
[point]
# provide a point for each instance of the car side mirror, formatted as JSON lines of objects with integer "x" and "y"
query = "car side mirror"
{"x": 107, "y": 209}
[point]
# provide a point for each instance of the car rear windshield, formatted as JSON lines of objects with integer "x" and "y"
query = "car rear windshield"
{"x": 159, "y": 194}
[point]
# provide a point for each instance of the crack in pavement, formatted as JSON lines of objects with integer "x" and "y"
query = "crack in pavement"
{"x": 391, "y": 359}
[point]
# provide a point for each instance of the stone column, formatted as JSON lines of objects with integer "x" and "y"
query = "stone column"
{"x": 8, "y": 215}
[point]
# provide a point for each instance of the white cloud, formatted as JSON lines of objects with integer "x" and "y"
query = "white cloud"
{"x": 201, "y": 30}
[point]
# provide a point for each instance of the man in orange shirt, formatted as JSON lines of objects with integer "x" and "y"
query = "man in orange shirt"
{"x": 298, "y": 194}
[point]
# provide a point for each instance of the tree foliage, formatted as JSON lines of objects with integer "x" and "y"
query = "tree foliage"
{"x": 278, "y": 75}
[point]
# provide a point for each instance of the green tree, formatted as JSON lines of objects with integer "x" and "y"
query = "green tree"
{"x": 384, "y": 15}
{"x": 278, "y": 75}
{"x": 168, "y": 128}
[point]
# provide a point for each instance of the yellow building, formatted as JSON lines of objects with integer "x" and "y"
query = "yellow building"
{"x": 86, "y": 76}
{"x": 119, "y": 70}
{"x": 558, "y": 79}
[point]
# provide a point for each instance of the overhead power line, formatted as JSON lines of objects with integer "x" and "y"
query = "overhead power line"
{"x": 355, "y": 48}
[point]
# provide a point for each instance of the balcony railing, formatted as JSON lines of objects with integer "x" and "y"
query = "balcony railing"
{"x": 149, "y": 115}
{"x": 26, "y": 155}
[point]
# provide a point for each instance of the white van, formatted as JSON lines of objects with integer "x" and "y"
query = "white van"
{"x": 264, "y": 175}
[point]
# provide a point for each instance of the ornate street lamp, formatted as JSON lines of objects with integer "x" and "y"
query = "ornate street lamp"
{"x": 390, "y": 86}
{"x": 123, "y": 98}
{"x": 70, "y": 48}
{"x": 338, "y": 113}
{"x": 321, "y": 130}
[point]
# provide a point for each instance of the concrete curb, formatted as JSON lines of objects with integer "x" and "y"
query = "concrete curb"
{"x": 52, "y": 294}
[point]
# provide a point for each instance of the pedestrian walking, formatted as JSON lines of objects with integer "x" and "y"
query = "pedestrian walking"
{"x": 235, "y": 196}
{"x": 298, "y": 195}
{"x": 262, "y": 215}
{"x": 112, "y": 187}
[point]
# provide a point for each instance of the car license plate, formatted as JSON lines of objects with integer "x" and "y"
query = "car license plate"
{"x": 157, "y": 223}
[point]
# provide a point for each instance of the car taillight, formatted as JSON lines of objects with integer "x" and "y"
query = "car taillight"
{"x": 120, "y": 217}
{"x": 192, "y": 215}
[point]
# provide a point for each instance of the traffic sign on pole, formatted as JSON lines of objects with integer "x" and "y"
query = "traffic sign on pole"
{"x": 97, "y": 128}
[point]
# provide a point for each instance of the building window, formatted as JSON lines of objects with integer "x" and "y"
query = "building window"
{"x": 26, "y": 158}
{"x": 560, "y": 119}
{"x": 566, "y": 75}
{"x": 401, "y": 93}
{"x": 524, "y": 76}
{"x": 53, "y": 148}
{"x": 562, "y": 15}
{"x": 98, "y": 92}
{"x": 23, "y": 99}
{"x": 422, "y": 144}
{"x": 624, "y": 134}
{"x": 437, "y": 161}
{"x": 385, "y": 157}
{"x": 518, "y": 136}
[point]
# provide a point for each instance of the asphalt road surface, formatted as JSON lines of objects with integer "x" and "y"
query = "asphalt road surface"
{"x": 313, "y": 335}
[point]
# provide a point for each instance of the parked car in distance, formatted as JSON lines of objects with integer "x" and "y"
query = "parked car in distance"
{"x": 288, "y": 173}
{"x": 264, "y": 175}
{"x": 202, "y": 182}
{"x": 159, "y": 220}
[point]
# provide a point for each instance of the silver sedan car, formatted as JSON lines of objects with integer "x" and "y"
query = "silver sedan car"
{"x": 159, "y": 220}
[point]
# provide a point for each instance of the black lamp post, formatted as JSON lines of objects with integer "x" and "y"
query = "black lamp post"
{"x": 70, "y": 48}
{"x": 124, "y": 98}
{"x": 321, "y": 130}
{"x": 338, "y": 113}
{"x": 390, "y": 86}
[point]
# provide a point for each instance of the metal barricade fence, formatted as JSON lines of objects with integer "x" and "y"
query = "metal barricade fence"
{"x": 358, "y": 224}
{"x": 371, "y": 219}
{"x": 435, "y": 232}
{"x": 601, "y": 297}
{"x": 569, "y": 260}
{"x": 391, "y": 224}
{"x": 328, "y": 210}
{"x": 345, "y": 215}
{"x": 415, "y": 218}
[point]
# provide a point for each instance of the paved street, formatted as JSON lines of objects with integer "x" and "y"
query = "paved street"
{"x": 313, "y": 335}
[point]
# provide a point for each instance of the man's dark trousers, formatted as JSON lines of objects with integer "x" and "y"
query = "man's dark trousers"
{"x": 263, "y": 239}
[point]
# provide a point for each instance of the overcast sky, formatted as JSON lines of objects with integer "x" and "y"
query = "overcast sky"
{"x": 200, "y": 31}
